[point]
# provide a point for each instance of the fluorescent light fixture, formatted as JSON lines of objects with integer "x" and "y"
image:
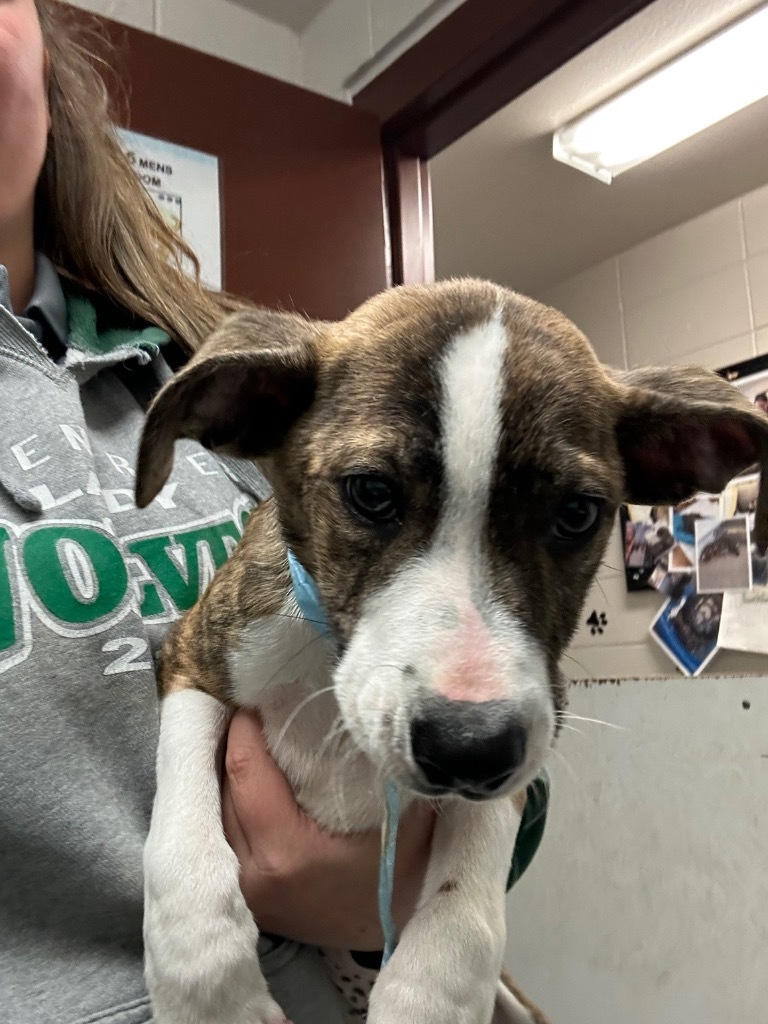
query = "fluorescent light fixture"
{"x": 720, "y": 76}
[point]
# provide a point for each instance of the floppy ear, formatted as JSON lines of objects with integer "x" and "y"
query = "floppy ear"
{"x": 685, "y": 429}
{"x": 239, "y": 394}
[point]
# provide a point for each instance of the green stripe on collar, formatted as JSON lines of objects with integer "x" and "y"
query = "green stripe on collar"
{"x": 86, "y": 336}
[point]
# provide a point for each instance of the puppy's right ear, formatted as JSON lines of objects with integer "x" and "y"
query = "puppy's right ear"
{"x": 239, "y": 394}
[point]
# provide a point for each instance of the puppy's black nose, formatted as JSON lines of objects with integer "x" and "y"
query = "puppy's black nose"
{"x": 460, "y": 745}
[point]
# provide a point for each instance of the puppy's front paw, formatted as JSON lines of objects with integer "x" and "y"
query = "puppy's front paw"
{"x": 270, "y": 1013}
{"x": 201, "y": 960}
{"x": 402, "y": 995}
{"x": 228, "y": 988}
{"x": 256, "y": 1008}
{"x": 394, "y": 1005}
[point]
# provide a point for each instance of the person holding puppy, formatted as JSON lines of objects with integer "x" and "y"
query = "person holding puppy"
{"x": 95, "y": 312}
{"x": 93, "y": 309}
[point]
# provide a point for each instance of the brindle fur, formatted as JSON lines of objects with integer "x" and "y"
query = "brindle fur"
{"x": 251, "y": 585}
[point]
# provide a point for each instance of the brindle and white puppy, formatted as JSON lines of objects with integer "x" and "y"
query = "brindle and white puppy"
{"x": 446, "y": 463}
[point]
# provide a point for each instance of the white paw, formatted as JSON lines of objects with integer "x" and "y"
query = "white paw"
{"x": 401, "y": 999}
{"x": 403, "y": 994}
{"x": 200, "y": 941}
{"x": 197, "y": 995}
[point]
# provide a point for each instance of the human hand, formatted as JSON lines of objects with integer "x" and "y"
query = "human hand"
{"x": 298, "y": 880}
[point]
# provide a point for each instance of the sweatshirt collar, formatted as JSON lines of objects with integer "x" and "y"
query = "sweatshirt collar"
{"x": 45, "y": 315}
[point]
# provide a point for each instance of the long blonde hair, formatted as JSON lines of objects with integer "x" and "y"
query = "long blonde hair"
{"x": 93, "y": 218}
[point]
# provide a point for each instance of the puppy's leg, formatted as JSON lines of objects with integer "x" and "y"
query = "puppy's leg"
{"x": 200, "y": 939}
{"x": 446, "y": 967}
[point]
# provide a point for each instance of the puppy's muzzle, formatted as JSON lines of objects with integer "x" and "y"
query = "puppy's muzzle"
{"x": 471, "y": 749}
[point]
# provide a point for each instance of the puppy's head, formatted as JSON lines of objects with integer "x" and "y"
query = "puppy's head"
{"x": 447, "y": 462}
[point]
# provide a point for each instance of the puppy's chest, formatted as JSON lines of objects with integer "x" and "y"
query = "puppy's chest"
{"x": 333, "y": 781}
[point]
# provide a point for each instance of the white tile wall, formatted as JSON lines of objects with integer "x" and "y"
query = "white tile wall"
{"x": 755, "y": 208}
{"x": 695, "y": 294}
{"x": 223, "y": 28}
{"x": 344, "y": 47}
{"x": 137, "y": 13}
{"x": 592, "y": 301}
{"x": 714, "y": 357}
{"x": 352, "y": 41}
{"x": 638, "y": 659}
{"x": 685, "y": 319}
{"x": 625, "y": 613}
{"x": 757, "y": 270}
{"x": 681, "y": 256}
{"x": 391, "y": 17}
{"x": 228, "y": 30}
{"x": 335, "y": 45}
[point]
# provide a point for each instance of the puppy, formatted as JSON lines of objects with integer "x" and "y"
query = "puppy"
{"x": 446, "y": 463}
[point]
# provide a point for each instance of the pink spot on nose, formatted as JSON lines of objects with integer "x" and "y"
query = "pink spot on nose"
{"x": 470, "y": 670}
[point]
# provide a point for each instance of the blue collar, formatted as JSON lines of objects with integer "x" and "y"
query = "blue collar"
{"x": 311, "y": 607}
{"x": 307, "y": 597}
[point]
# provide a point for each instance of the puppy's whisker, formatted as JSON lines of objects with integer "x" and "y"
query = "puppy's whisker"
{"x": 340, "y": 777}
{"x": 298, "y": 709}
{"x": 613, "y": 568}
{"x": 336, "y": 755}
{"x": 297, "y": 616}
{"x": 593, "y": 721}
{"x": 440, "y": 807}
{"x": 296, "y": 654}
{"x": 334, "y": 734}
{"x": 384, "y": 665}
{"x": 582, "y": 666}
{"x": 571, "y": 728}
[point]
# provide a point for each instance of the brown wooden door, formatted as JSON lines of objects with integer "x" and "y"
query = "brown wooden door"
{"x": 301, "y": 175}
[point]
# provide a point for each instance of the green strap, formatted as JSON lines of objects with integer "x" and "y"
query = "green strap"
{"x": 531, "y": 827}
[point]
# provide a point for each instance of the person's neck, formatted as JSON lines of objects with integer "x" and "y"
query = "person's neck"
{"x": 17, "y": 255}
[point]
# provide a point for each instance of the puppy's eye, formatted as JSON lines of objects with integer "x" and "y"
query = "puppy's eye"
{"x": 373, "y": 498}
{"x": 577, "y": 519}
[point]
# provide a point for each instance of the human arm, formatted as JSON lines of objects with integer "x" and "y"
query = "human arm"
{"x": 299, "y": 881}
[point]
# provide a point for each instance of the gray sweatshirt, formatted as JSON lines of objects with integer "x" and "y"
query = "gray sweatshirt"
{"x": 88, "y": 586}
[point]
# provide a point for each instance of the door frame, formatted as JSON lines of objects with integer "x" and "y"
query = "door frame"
{"x": 472, "y": 64}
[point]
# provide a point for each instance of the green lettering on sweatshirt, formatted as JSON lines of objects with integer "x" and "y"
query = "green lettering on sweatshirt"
{"x": 183, "y": 585}
{"x": 77, "y": 573}
{"x": 7, "y": 617}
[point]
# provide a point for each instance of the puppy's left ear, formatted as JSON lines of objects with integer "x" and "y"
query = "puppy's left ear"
{"x": 239, "y": 394}
{"x": 685, "y": 429}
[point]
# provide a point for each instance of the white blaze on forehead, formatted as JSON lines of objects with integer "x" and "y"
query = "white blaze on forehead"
{"x": 437, "y": 627}
{"x": 470, "y": 419}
